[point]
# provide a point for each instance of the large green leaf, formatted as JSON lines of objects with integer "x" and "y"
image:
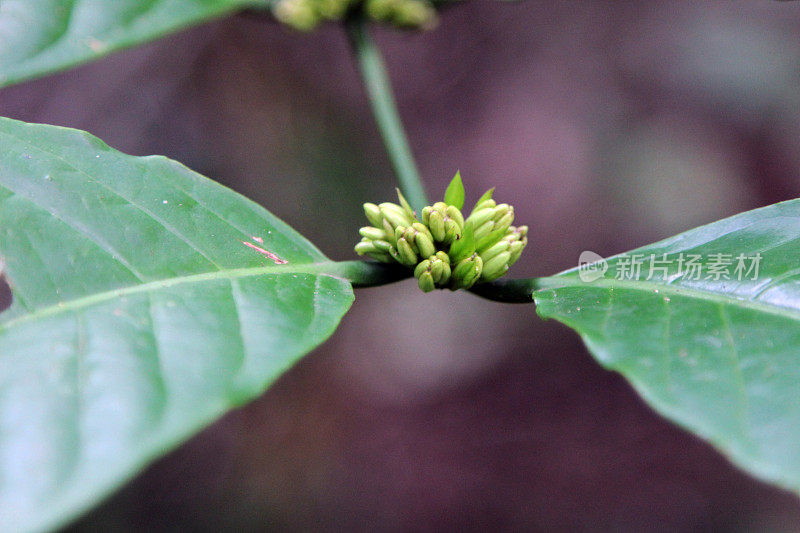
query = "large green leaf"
{"x": 41, "y": 36}
{"x": 148, "y": 300}
{"x": 718, "y": 356}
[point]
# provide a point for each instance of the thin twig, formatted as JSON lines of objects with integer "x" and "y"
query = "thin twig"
{"x": 379, "y": 90}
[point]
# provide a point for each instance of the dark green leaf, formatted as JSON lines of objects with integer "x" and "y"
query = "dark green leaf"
{"x": 719, "y": 355}
{"x": 148, "y": 301}
{"x": 41, "y": 36}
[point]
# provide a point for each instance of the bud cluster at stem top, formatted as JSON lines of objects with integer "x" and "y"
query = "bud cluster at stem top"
{"x": 305, "y": 15}
{"x": 444, "y": 248}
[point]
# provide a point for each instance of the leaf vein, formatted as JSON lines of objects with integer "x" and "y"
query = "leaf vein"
{"x": 168, "y": 227}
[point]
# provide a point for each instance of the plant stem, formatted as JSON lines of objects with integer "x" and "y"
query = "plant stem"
{"x": 379, "y": 89}
{"x": 511, "y": 291}
{"x": 367, "y": 274}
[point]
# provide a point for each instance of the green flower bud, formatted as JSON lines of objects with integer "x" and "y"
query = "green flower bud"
{"x": 455, "y": 214}
{"x": 382, "y": 245}
{"x": 480, "y": 217}
{"x": 505, "y": 221}
{"x": 383, "y": 258}
{"x": 373, "y": 213}
{"x": 368, "y": 248}
{"x": 380, "y": 10}
{"x": 389, "y": 231}
{"x": 515, "y": 248}
{"x": 462, "y": 268}
{"x": 445, "y": 277}
{"x": 485, "y": 204}
{"x": 452, "y": 231}
{"x": 436, "y": 225}
{"x": 299, "y": 14}
{"x": 332, "y": 9}
{"x": 495, "y": 249}
{"x": 500, "y": 211}
{"x": 414, "y": 14}
{"x": 422, "y": 228}
{"x": 426, "y": 214}
{"x": 474, "y": 274}
{"x": 391, "y": 206}
{"x": 500, "y": 232}
{"x": 371, "y": 233}
{"x": 365, "y": 247}
{"x": 436, "y": 270}
{"x": 307, "y": 14}
{"x": 466, "y": 273}
{"x": 424, "y": 245}
{"x": 410, "y": 235}
{"x": 396, "y": 217}
{"x": 399, "y": 232}
{"x": 498, "y": 274}
{"x": 483, "y": 230}
{"x": 440, "y": 271}
{"x": 406, "y": 253}
{"x": 495, "y": 267}
{"x": 425, "y": 282}
{"x": 518, "y": 234}
{"x": 423, "y": 266}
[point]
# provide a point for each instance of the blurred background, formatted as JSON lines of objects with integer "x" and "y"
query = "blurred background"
{"x": 607, "y": 125}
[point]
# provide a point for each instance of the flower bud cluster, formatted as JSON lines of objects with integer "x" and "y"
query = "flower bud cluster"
{"x": 497, "y": 242}
{"x": 446, "y": 222}
{"x": 305, "y": 15}
{"x": 445, "y": 249}
{"x": 395, "y": 235}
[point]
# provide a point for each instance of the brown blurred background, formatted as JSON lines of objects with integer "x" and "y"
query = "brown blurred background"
{"x": 607, "y": 125}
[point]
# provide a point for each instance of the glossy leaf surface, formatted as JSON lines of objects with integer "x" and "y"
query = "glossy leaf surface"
{"x": 707, "y": 330}
{"x": 147, "y": 301}
{"x": 42, "y": 36}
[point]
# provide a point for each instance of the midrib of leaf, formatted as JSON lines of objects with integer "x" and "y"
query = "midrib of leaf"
{"x": 552, "y": 283}
{"x": 330, "y": 268}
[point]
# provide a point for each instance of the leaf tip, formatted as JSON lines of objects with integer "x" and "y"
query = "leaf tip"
{"x": 454, "y": 195}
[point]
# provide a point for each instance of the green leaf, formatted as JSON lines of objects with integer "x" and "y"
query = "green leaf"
{"x": 486, "y": 196}
{"x": 721, "y": 357}
{"x": 147, "y": 301}
{"x": 454, "y": 195}
{"x": 38, "y": 37}
{"x": 464, "y": 246}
